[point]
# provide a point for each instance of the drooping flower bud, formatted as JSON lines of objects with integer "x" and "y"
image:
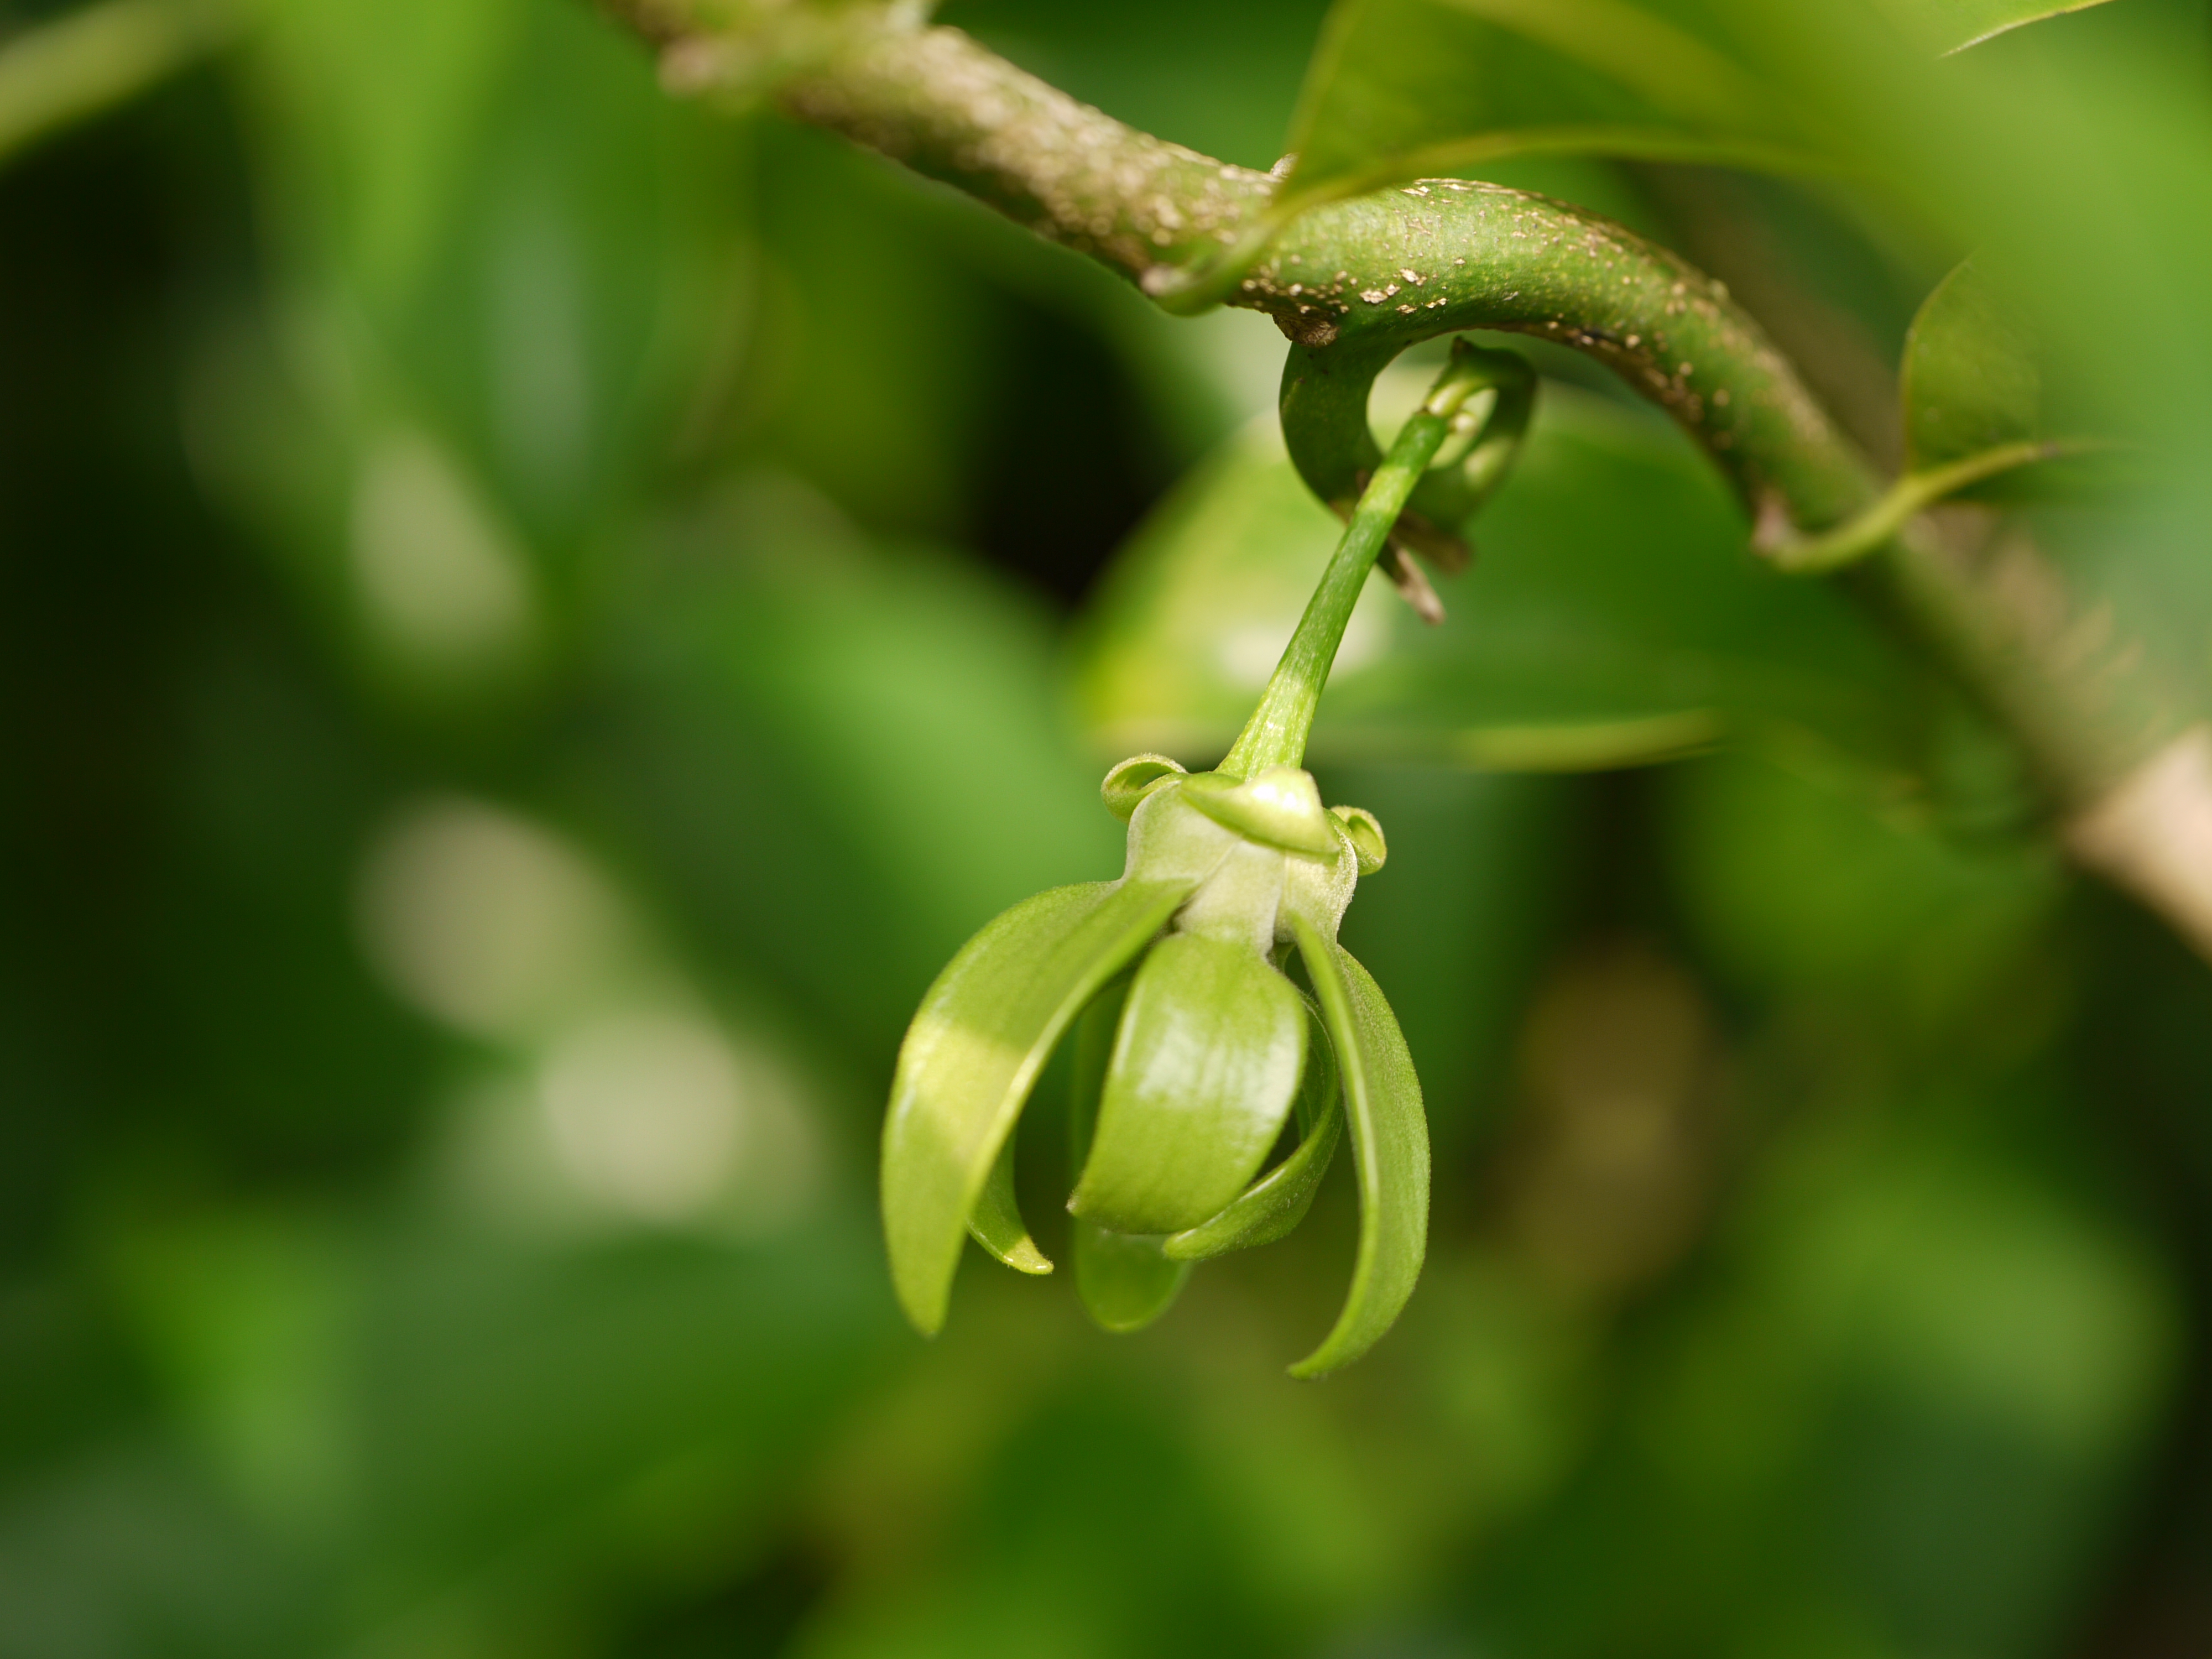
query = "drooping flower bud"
{"x": 1194, "y": 1049}
{"x": 1203, "y": 1049}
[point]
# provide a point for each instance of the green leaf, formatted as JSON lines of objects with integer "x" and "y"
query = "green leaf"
{"x": 1205, "y": 1065}
{"x": 1405, "y": 88}
{"x": 970, "y": 1057}
{"x": 996, "y": 1222}
{"x": 1411, "y": 88}
{"x": 1273, "y": 1205}
{"x": 1970, "y": 381}
{"x": 93, "y": 57}
{"x": 1614, "y": 617}
{"x": 1390, "y": 1149}
{"x": 458, "y": 183}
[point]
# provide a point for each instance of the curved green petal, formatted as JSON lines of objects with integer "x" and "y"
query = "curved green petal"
{"x": 1123, "y": 1281}
{"x": 1206, "y": 1063}
{"x": 970, "y": 1057}
{"x": 996, "y": 1221}
{"x": 1390, "y": 1149}
{"x": 1123, "y": 1278}
{"x": 1274, "y": 1205}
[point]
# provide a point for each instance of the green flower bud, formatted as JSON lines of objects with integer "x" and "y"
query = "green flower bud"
{"x": 1194, "y": 1049}
{"x": 1197, "y": 1051}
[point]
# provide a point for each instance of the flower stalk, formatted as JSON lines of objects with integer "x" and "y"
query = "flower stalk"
{"x": 1276, "y": 733}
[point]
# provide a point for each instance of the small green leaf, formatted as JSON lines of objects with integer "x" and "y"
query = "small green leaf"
{"x": 1970, "y": 381}
{"x": 1400, "y": 89}
{"x": 1390, "y": 1149}
{"x": 983, "y": 1031}
{"x": 1206, "y": 1063}
{"x": 1273, "y": 1205}
{"x": 996, "y": 1222}
{"x": 1123, "y": 1279}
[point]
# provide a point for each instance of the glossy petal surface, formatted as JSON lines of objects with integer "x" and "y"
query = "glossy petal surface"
{"x": 1389, "y": 1150}
{"x": 1273, "y": 1205}
{"x": 1205, "y": 1064}
{"x": 970, "y": 1057}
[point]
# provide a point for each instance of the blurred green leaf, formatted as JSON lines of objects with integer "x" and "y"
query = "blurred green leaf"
{"x": 695, "y": 1382}
{"x": 790, "y": 725}
{"x": 1970, "y": 381}
{"x": 93, "y": 56}
{"x": 1901, "y": 1417}
{"x": 1613, "y": 615}
{"x": 498, "y": 229}
{"x": 1405, "y": 88}
{"x": 1800, "y": 888}
{"x": 1402, "y": 89}
{"x": 1155, "y": 63}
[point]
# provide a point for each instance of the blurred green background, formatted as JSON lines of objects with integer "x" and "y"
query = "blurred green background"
{"x": 536, "y": 616}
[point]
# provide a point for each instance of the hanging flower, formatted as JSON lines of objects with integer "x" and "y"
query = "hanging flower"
{"x": 1207, "y": 1047}
{"x": 1194, "y": 1049}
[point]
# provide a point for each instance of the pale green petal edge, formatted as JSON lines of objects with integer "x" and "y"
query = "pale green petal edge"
{"x": 982, "y": 1033}
{"x": 996, "y": 1222}
{"x": 1390, "y": 1149}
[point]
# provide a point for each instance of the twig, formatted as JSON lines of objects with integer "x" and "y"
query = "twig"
{"x": 1353, "y": 282}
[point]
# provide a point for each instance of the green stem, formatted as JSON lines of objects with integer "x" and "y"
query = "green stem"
{"x": 1916, "y": 492}
{"x": 1213, "y": 281}
{"x": 1276, "y": 733}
